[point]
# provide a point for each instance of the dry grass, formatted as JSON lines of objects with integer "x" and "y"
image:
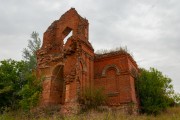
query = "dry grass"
{"x": 170, "y": 114}
{"x": 117, "y": 50}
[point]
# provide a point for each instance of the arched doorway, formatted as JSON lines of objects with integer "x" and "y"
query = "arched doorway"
{"x": 58, "y": 84}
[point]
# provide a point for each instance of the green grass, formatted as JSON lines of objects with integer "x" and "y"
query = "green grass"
{"x": 171, "y": 114}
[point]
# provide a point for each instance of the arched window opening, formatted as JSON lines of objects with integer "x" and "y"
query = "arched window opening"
{"x": 110, "y": 67}
{"x": 67, "y": 33}
{"x": 111, "y": 72}
{"x": 67, "y": 37}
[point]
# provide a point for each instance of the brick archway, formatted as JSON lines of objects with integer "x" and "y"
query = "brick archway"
{"x": 110, "y": 66}
{"x": 58, "y": 85}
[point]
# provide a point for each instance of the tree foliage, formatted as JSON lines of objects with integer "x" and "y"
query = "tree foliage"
{"x": 32, "y": 89}
{"x": 11, "y": 82}
{"x": 155, "y": 91}
{"x": 18, "y": 87}
{"x": 30, "y": 92}
{"x": 18, "y": 84}
{"x": 29, "y": 53}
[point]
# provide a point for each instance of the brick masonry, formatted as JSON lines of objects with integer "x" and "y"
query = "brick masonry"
{"x": 70, "y": 67}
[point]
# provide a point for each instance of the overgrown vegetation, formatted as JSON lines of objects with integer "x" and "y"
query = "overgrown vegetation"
{"x": 93, "y": 98}
{"x": 30, "y": 92}
{"x": 155, "y": 91}
{"x": 113, "y": 51}
{"x": 11, "y": 82}
{"x": 19, "y": 87}
{"x": 170, "y": 114}
{"x": 29, "y": 53}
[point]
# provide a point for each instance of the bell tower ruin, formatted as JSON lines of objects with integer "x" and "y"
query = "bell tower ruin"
{"x": 66, "y": 66}
{"x": 69, "y": 65}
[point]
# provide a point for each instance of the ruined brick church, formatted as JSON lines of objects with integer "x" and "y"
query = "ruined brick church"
{"x": 69, "y": 67}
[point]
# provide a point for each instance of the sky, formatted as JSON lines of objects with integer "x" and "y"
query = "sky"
{"x": 149, "y": 28}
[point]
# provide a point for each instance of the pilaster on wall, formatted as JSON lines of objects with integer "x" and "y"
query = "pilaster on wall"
{"x": 133, "y": 73}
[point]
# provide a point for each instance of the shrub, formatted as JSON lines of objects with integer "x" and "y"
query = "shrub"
{"x": 155, "y": 91}
{"x": 30, "y": 92}
{"x": 118, "y": 49}
{"x": 93, "y": 97}
{"x": 11, "y": 82}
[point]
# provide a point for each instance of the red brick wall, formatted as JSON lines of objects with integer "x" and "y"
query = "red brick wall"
{"x": 119, "y": 87}
{"x": 76, "y": 57}
{"x": 81, "y": 68}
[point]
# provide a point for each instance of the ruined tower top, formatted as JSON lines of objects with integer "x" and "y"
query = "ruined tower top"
{"x": 70, "y": 21}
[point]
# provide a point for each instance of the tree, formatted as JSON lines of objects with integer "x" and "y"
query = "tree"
{"x": 31, "y": 90}
{"x": 176, "y": 98}
{"x": 155, "y": 91}
{"x": 18, "y": 84}
{"x": 11, "y": 82}
{"x": 29, "y": 53}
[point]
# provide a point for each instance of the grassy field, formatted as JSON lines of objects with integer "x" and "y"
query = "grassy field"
{"x": 170, "y": 114}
